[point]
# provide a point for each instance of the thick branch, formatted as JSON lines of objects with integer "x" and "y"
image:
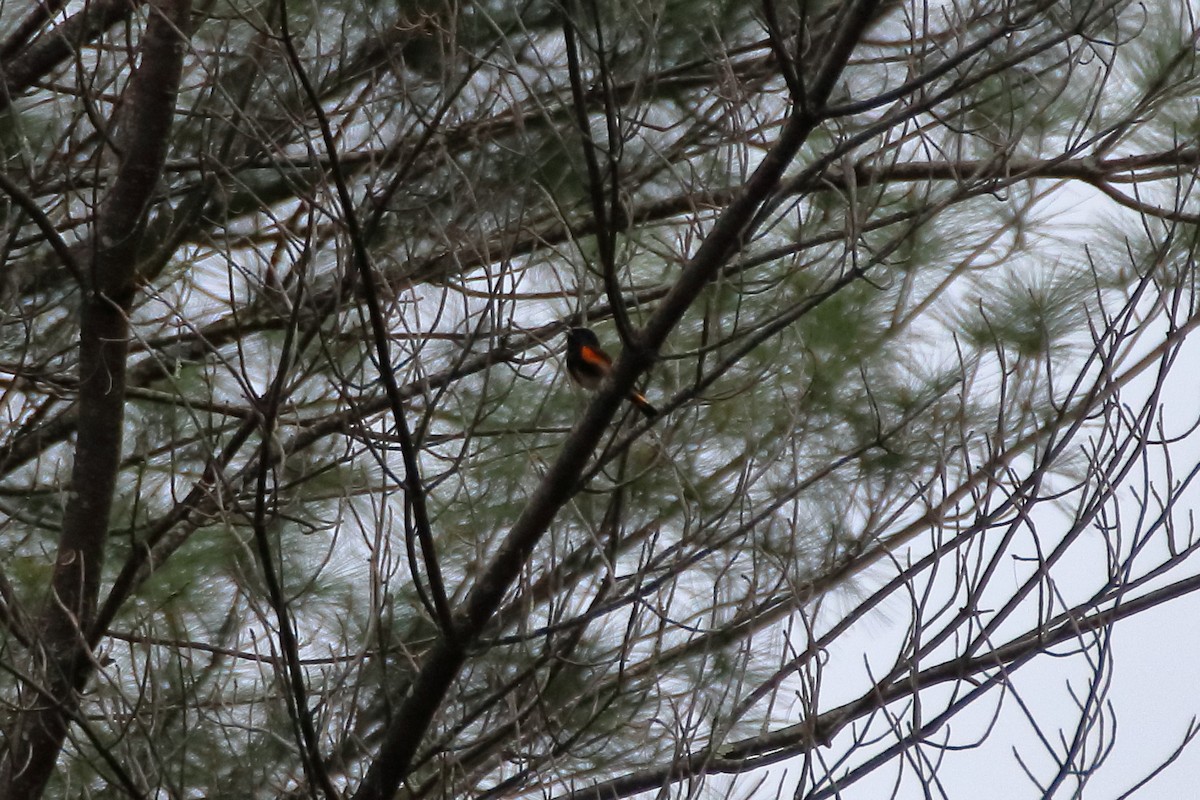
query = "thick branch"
{"x": 989, "y": 669}
{"x": 57, "y": 45}
{"x": 407, "y": 729}
{"x": 103, "y": 343}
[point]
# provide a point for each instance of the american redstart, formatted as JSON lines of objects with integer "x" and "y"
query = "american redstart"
{"x": 588, "y": 365}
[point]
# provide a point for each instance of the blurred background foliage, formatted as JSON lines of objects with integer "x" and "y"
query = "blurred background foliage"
{"x": 997, "y": 203}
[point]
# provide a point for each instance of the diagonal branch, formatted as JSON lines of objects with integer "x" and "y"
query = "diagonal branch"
{"x": 407, "y": 728}
{"x": 44, "y": 54}
{"x": 986, "y": 670}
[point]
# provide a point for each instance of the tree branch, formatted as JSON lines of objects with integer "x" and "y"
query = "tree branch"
{"x": 103, "y": 342}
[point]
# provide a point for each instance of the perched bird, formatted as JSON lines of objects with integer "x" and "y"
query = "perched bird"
{"x": 588, "y": 365}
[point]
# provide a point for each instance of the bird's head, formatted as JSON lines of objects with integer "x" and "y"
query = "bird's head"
{"x": 582, "y": 337}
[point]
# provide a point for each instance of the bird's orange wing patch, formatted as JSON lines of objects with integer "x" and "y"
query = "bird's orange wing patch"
{"x": 593, "y": 356}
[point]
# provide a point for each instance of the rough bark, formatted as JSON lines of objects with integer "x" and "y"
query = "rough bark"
{"x": 64, "y": 653}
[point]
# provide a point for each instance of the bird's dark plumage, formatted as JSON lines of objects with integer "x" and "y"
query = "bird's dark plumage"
{"x": 588, "y": 365}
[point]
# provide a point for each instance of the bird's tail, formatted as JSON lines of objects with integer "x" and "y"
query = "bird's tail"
{"x": 643, "y": 405}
